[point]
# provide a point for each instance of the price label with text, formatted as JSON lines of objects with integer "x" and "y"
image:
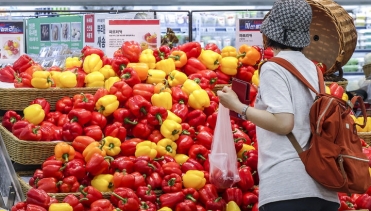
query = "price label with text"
{"x": 210, "y": 29}
{"x": 229, "y": 29}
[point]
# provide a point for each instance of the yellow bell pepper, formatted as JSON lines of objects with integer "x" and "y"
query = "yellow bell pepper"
{"x": 103, "y": 182}
{"x": 148, "y": 58}
{"x": 34, "y": 114}
{"x": 345, "y": 97}
{"x": 165, "y": 209}
{"x": 229, "y": 51}
{"x": 155, "y": 76}
{"x": 141, "y": 69}
{"x": 369, "y": 170}
{"x": 162, "y": 99}
{"x": 92, "y": 63}
{"x": 255, "y": 78}
{"x": 109, "y": 82}
{"x": 146, "y": 148}
{"x": 176, "y": 78}
{"x": 147, "y": 51}
{"x": 181, "y": 158}
{"x": 327, "y": 90}
{"x": 199, "y": 99}
{"x": 107, "y": 104}
{"x": 41, "y": 80}
{"x": 232, "y": 206}
{"x": 73, "y": 62}
{"x": 189, "y": 86}
{"x": 367, "y": 127}
{"x": 229, "y": 65}
{"x": 166, "y": 147}
{"x": 210, "y": 59}
{"x": 111, "y": 145}
{"x": 107, "y": 71}
{"x": 171, "y": 129}
{"x": 55, "y": 76}
{"x": 174, "y": 117}
{"x": 166, "y": 65}
{"x": 60, "y": 207}
{"x": 94, "y": 79}
{"x": 245, "y": 147}
{"x": 194, "y": 179}
{"x": 67, "y": 79}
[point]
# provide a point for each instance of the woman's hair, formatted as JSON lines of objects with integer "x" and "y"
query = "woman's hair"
{"x": 273, "y": 44}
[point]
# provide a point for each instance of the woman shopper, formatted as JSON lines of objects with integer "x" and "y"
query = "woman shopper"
{"x": 282, "y": 106}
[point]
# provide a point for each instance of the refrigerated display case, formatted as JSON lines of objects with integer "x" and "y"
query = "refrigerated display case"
{"x": 178, "y": 21}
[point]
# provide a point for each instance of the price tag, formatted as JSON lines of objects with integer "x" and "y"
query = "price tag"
{"x": 229, "y": 29}
{"x": 210, "y": 29}
{"x": 203, "y": 29}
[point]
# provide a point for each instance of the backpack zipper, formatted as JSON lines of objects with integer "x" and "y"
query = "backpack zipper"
{"x": 323, "y": 114}
{"x": 355, "y": 158}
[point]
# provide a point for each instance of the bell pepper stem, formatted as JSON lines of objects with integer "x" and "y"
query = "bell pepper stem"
{"x": 151, "y": 166}
{"x": 197, "y": 80}
{"x": 185, "y": 132}
{"x": 81, "y": 188}
{"x": 148, "y": 192}
{"x": 111, "y": 146}
{"x": 12, "y": 120}
{"x": 218, "y": 199}
{"x": 124, "y": 200}
{"x": 128, "y": 121}
{"x": 74, "y": 119}
{"x": 143, "y": 110}
{"x": 109, "y": 158}
{"x": 159, "y": 118}
{"x": 160, "y": 158}
{"x": 171, "y": 182}
{"x": 190, "y": 197}
{"x": 126, "y": 76}
{"x": 169, "y": 148}
{"x": 240, "y": 138}
{"x": 144, "y": 205}
{"x": 175, "y": 132}
{"x": 101, "y": 109}
{"x": 102, "y": 144}
{"x": 175, "y": 57}
{"x": 65, "y": 157}
{"x": 201, "y": 157}
{"x": 62, "y": 168}
{"x": 110, "y": 185}
{"x": 241, "y": 55}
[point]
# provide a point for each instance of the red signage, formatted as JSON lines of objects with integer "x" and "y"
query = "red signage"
{"x": 89, "y": 28}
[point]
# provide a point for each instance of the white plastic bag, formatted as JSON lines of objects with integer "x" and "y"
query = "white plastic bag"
{"x": 223, "y": 157}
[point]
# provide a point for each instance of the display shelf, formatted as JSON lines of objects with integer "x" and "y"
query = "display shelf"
{"x": 213, "y": 29}
{"x": 362, "y": 50}
{"x": 176, "y": 29}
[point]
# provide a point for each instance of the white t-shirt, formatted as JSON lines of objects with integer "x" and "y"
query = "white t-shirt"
{"x": 282, "y": 173}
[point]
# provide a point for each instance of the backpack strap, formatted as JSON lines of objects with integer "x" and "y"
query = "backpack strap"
{"x": 288, "y": 66}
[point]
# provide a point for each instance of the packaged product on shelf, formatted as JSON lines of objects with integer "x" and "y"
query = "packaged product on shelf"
{"x": 44, "y": 51}
{"x": 231, "y": 19}
{"x": 221, "y": 21}
{"x": 227, "y": 41}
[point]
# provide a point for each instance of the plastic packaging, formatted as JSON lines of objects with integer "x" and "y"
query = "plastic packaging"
{"x": 223, "y": 157}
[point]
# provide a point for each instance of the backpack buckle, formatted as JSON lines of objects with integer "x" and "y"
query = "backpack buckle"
{"x": 350, "y": 104}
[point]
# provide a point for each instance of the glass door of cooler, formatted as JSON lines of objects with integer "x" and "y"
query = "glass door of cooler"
{"x": 177, "y": 21}
{"x": 219, "y": 26}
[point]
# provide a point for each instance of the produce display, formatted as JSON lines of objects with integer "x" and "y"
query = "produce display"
{"x": 145, "y": 136}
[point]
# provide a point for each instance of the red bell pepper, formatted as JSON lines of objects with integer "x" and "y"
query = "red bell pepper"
{"x": 188, "y": 130}
{"x": 91, "y": 50}
{"x": 222, "y": 77}
{"x": 196, "y": 118}
{"x": 53, "y": 117}
{"x": 210, "y": 199}
{"x": 79, "y": 115}
{"x": 107, "y": 61}
{"x": 204, "y": 138}
{"x": 147, "y": 206}
{"x": 144, "y": 90}
{"x": 98, "y": 164}
{"x": 238, "y": 133}
{"x": 142, "y": 130}
{"x": 52, "y": 168}
{"x": 48, "y": 184}
{"x": 171, "y": 199}
{"x": 75, "y": 168}
{"x": 346, "y": 203}
{"x": 64, "y": 105}
{"x": 122, "y": 91}
{"x": 172, "y": 183}
{"x": 191, "y": 194}
{"x": 69, "y": 184}
{"x": 233, "y": 194}
{"x": 130, "y": 76}
{"x": 213, "y": 99}
{"x": 18, "y": 127}
{"x": 155, "y": 136}
{"x": 184, "y": 143}
{"x": 336, "y": 90}
{"x": 30, "y": 133}
{"x": 94, "y": 131}
{"x": 125, "y": 117}
{"x": 43, "y": 103}
{"x": 38, "y": 197}
{"x": 268, "y": 53}
{"x": 37, "y": 175}
{"x": 186, "y": 205}
{"x": 156, "y": 115}
{"x": 62, "y": 120}
{"x": 181, "y": 110}
{"x": 131, "y": 50}
{"x": 34, "y": 207}
{"x": 71, "y": 130}
{"x": 193, "y": 66}
{"x": 20, "y": 206}
{"x": 101, "y": 205}
{"x": 128, "y": 147}
{"x": 22, "y": 63}
{"x": 192, "y": 49}
{"x": 23, "y": 80}
{"x": 98, "y": 119}
{"x": 139, "y": 180}
{"x": 81, "y": 142}
{"x": 250, "y": 158}
{"x": 74, "y": 202}
{"x": 154, "y": 180}
{"x": 119, "y": 64}
{"x": 100, "y": 93}
{"x": 198, "y": 152}
{"x": 246, "y": 180}
{"x": 84, "y": 101}
{"x": 116, "y": 130}
{"x": 10, "y": 117}
{"x": 89, "y": 195}
{"x": 245, "y": 72}
{"x": 171, "y": 168}
{"x": 48, "y": 131}
{"x": 123, "y": 163}
{"x": 161, "y": 53}
{"x": 211, "y": 120}
{"x": 138, "y": 105}
{"x": 191, "y": 164}
{"x": 7, "y": 74}
{"x": 145, "y": 193}
{"x": 125, "y": 199}
{"x": 123, "y": 179}
{"x": 363, "y": 201}
{"x": 213, "y": 47}
{"x": 144, "y": 165}
{"x": 178, "y": 95}
{"x": 248, "y": 201}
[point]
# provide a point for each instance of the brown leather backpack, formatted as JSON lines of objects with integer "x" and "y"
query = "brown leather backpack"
{"x": 334, "y": 158}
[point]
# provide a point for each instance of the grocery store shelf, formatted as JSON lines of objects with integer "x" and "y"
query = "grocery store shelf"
{"x": 353, "y": 73}
{"x": 362, "y": 50}
{"x": 217, "y": 29}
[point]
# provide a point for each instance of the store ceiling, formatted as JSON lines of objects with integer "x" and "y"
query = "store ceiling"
{"x": 152, "y": 3}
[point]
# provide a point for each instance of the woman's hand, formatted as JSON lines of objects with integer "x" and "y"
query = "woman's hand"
{"x": 228, "y": 98}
